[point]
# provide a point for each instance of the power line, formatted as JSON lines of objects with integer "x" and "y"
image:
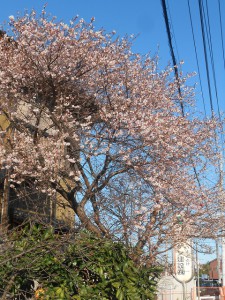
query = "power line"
{"x": 221, "y": 33}
{"x": 209, "y": 38}
{"x": 172, "y": 29}
{"x": 172, "y": 53}
{"x": 196, "y": 55}
{"x": 202, "y": 15}
{"x": 205, "y": 55}
{"x": 176, "y": 71}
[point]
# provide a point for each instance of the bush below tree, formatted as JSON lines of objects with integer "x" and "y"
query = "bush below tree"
{"x": 36, "y": 263}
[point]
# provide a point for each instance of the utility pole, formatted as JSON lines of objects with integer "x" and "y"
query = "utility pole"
{"x": 223, "y": 261}
{"x": 222, "y": 209}
{"x": 197, "y": 265}
{"x": 4, "y": 205}
{"x": 4, "y": 194}
{"x": 218, "y": 257}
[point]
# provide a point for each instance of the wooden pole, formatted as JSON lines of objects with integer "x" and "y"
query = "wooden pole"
{"x": 5, "y": 205}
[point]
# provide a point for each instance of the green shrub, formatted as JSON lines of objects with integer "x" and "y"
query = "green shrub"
{"x": 71, "y": 266}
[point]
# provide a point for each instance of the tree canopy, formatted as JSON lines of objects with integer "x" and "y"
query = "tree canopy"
{"x": 102, "y": 126}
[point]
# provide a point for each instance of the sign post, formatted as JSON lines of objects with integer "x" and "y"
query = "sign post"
{"x": 183, "y": 264}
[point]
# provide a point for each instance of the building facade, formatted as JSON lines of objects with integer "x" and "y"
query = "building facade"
{"x": 28, "y": 203}
{"x": 213, "y": 269}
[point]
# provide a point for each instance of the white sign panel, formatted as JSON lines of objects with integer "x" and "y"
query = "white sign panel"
{"x": 183, "y": 263}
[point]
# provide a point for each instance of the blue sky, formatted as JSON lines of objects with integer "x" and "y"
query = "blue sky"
{"x": 144, "y": 18}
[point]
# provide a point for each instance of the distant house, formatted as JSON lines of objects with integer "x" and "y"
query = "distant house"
{"x": 213, "y": 269}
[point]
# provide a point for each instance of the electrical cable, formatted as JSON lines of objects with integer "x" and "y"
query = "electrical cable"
{"x": 222, "y": 43}
{"x": 201, "y": 12}
{"x": 205, "y": 55}
{"x": 221, "y": 33}
{"x": 172, "y": 52}
{"x": 196, "y": 55}
{"x": 209, "y": 38}
{"x": 173, "y": 32}
{"x": 176, "y": 71}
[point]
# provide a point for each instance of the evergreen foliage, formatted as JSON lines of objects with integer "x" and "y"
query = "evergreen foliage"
{"x": 38, "y": 264}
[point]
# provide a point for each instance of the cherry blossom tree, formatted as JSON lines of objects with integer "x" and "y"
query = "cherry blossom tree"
{"x": 102, "y": 126}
